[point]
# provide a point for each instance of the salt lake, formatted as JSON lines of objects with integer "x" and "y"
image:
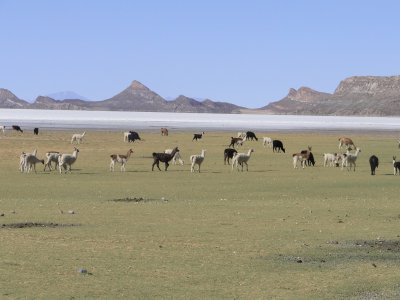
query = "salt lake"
{"x": 116, "y": 120}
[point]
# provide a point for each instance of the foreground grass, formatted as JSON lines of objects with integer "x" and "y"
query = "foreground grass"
{"x": 272, "y": 232}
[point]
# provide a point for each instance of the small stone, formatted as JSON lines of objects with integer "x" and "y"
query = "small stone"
{"x": 71, "y": 212}
{"x": 2, "y": 215}
{"x": 82, "y": 271}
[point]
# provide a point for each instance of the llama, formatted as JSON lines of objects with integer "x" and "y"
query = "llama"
{"x": 198, "y": 136}
{"x": 229, "y": 153}
{"x": 374, "y": 163}
{"x": 31, "y": 161}
{"x": 36, "y": 131}
{"x": 66, "y": 160}
{"x": 350, "y": 159}
{"x": 197, "y": 160}
{"x": 17, "y": 128}
{"x": 278, "y": 146}
{"x": 251, "y": 136}
{"x": 3, "y": 129}
{"x": 164, "y": 131}
{"x": 77, "y": 137}
{"x": 302, "y": 157}
{"x": 122, "y": 159}
{"x": 330, "y": 159}
{"x": 236, "y": 141}
{"x": 22, "y": 160}
{"x": 133, "y": 136}
{"x": 177, "y": 157}
{"x": 163, "y": 157}
{"x": 240, "y": 159}
{"x": 345, "y": 141}
{"x": 126, "y": 134}
{"x": 51, "y": 156}
{"x": 396, "y": 166}
{"x": 267, "y": 142}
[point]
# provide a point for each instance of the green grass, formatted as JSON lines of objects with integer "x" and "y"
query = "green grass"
{"x": 219, "y": 235}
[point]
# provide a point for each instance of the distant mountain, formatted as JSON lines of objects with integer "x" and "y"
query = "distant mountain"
{"x": 358, "y": 95}
{"x": 9, "y": 100}
{"x": 66, "y": 95}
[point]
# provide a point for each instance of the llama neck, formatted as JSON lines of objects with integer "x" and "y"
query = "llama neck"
{"x": 249, "y": 153}
{"x": 128, "y": 154}
{"x": 203, "y": 152}
{"x": 173, "y": 152}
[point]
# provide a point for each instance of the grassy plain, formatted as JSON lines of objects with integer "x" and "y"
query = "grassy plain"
{"x": 272, "y": 232}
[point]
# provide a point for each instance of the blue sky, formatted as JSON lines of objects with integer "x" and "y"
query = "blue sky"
{"x": 245, "y": 52}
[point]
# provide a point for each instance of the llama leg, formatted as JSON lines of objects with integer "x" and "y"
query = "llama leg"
{"x": 166, "y": 166}
{"x": 112, "y": 166}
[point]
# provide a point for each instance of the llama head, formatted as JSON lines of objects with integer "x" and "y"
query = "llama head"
{"x": 76, "y": 149}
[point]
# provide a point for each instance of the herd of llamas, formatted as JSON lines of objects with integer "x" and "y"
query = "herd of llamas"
{"x": 238, "y": 160}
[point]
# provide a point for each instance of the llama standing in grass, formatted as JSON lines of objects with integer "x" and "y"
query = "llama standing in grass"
{"x": 51, "y": 156}
{"x": 197, "y": 160}
{"x": 163, "y": 157}
{"x": 177, "y": 157}
{"x": 77, "y": 137}
{"x": 396, "y": 166}
{"x": 120, "y": 158}
{"x": 66, "y": 160}
{"x": 267, "y": 142}
{"x": 374, "y": 163}
{"x": 164, "y": 131}
{"x": 3, "y": 128}
{"x": 345, "y": 141}
{"x": 229, "y": 153}
{"x": 31, "y": 161}
{"x": 240, "y": 159}
{"x": 22, "y": 160}
{"x": 330, "y": 159}
{"x": 350, "y": 159}
{"x": 198, "y": 136}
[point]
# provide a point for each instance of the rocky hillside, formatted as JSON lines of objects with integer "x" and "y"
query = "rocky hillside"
{"x": 136, "y": 97}
{"x": 9, "y": 100}
{"x": 359, "y": 95}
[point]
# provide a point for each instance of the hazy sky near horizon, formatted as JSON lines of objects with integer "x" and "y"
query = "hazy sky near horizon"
{"x": 245, "y": 52}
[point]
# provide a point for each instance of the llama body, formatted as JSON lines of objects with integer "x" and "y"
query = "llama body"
{"x": 133, "y": 136}
{"x": 51, "y": 156}
{"x": 30, "y": 162}
{"x": 350, "y": 160}
{"x": 17, "y": 128}
{"x": 302, "y": 157}
{"x": 197, "y": 160}
{"x": 374, "y": 163}
{"x": 77, "y": 137}
{"x": 177, "y": 157}
{"x": 3, "y": 128}
{"x": 163, "y": 157}
{"x": 22, "y": 160}
{"x": 241, "y": 159}
{"x": 396, "y": 166}
{"x": 164, "y": 131}
{"x": 278, "y": 146}
{"x": 330, "y": 159}
{"x": 198, "y": 136}
{"x": 120, "y": 158}
{"x": 229, "y": 153}
{"x": 267, "y": 142}
{"x": 236, "y": 141}
{"x": 347, "y": 142}
{"x": 65, "y": 161}
{"x": 250, "y": 135}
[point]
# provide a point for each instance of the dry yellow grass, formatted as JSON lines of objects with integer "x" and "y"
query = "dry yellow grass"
{"x": 272, "y": 232}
